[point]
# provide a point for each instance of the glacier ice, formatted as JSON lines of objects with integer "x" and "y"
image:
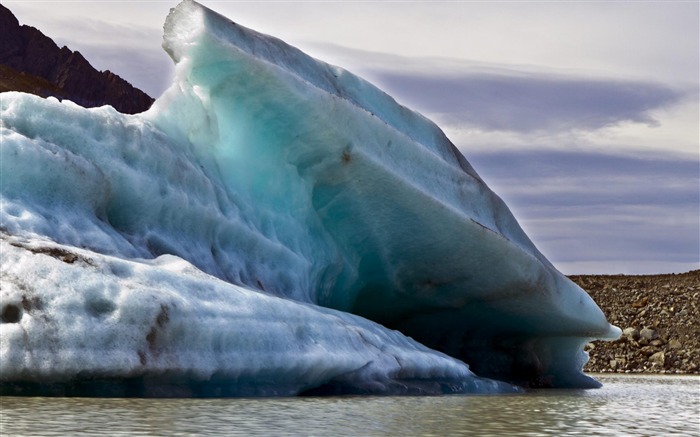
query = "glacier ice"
{"x": 164, "y": 328}
{"x": 273, "y": 225}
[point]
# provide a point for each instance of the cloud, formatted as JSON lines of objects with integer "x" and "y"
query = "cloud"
{"x": 560, "y": 178}
{"x": 527, "y": 103}
{"x": 630, "y": 239}
{"x": 602, "y": 213}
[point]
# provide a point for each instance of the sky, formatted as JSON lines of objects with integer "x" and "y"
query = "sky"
{"x": 582, "y": 116}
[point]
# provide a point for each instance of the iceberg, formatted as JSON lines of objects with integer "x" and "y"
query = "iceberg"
{"x": 273, "y": 225}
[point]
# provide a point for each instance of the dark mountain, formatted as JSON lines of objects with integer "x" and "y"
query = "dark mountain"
{"x": 31, "y": 62}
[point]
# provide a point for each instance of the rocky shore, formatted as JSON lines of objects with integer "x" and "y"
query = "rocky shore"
{"x": 660, "y": 317}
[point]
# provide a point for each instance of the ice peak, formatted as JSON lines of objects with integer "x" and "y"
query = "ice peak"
{"x": 283, "y": 176}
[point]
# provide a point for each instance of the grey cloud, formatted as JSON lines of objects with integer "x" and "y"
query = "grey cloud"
{"x": 529, "y": 102}
{"x": 625, "y": 234}
{"x": 543, "y": 177}
{"x": 588, "y": 207}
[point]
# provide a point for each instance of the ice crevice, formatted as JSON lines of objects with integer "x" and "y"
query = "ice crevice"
{"x": 272, "y": 226}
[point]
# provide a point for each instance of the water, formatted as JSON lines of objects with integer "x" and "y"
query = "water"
{"x": 625, "y": 406}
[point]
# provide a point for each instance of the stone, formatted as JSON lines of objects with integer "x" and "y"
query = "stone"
{"x": 658, "y": 359}
{"x": 641, "y": 302}
{"x": 674, "y": 344}
{"x": 649, "y": 334}
{"x": 648, "y": 351}
{"x": 631, "y": 333}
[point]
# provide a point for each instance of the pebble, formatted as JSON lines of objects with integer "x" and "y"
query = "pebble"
{"x": 661, "y": 319}
{"x": 649, "y": 334}
{"x": 631, "y": 333}
{"x": 658, "y": 359}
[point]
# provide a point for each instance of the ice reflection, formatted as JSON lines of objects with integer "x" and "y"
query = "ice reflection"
{"x": 626, "y": 405}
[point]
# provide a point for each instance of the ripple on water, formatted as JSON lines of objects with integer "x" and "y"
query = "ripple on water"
{"x": 626, "y": 405}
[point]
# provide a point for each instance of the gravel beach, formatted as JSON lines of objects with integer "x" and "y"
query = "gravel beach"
{"x": 660, "y": 319}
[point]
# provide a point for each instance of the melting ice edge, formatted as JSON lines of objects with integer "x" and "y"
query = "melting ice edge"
{"x": 273, "y": 225}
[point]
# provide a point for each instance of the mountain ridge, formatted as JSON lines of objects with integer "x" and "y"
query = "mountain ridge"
{"x": 32, "y": 62}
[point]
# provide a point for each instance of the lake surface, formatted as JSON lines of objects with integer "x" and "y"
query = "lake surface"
{"x": 626, "y": 406}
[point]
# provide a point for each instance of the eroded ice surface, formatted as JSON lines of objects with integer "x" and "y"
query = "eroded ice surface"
{"x": 261, "y": 187}
{"x": 169, "y": 329}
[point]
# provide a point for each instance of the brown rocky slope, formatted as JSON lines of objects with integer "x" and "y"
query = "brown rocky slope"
{"x": 31, "y": 62}
{"x": 660, "y": 317}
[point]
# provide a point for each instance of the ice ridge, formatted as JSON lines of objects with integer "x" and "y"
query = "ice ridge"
{"x": 273, "y": 225}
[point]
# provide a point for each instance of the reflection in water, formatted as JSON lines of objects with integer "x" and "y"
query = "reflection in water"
{"x": 626, "y": 405}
